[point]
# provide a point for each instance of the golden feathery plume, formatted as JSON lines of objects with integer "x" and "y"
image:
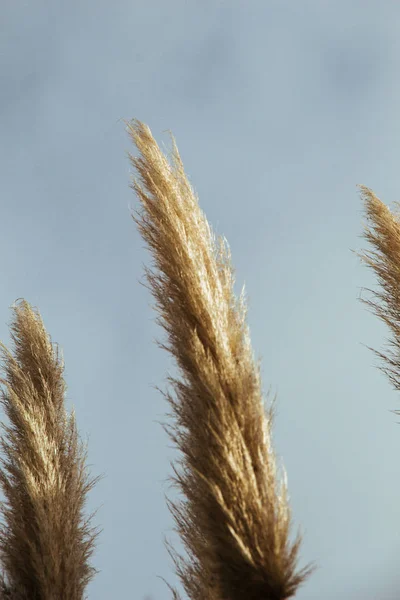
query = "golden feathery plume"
{"x": 235, "y": 522}
{"x": 385, "y": 261}
{"x": 44, "y": 547}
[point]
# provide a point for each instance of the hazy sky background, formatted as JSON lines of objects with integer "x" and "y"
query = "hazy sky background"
{"x": 279, "y": 109}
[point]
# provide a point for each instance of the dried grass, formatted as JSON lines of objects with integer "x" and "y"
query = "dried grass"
{"x": 235, "y": 519}
{"x": 235, "y": 522}
{"x": 384, "y": 235}
{"x": 44, "y": 546}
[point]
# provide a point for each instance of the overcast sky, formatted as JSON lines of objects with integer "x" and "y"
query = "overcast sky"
{"x": 279, "y": 109}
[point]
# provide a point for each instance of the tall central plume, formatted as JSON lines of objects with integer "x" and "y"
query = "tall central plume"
{"x": 235, "y": 522}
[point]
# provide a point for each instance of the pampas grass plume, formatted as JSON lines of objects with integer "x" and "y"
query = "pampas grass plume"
{"x": 44, "y": 545}
{"x": 235, "y": 520}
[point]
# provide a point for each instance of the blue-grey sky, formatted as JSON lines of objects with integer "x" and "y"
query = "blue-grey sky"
{"x": 279, "y": 109}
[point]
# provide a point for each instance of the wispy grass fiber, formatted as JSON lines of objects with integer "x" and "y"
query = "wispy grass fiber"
{"x": 384, "y": 235}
